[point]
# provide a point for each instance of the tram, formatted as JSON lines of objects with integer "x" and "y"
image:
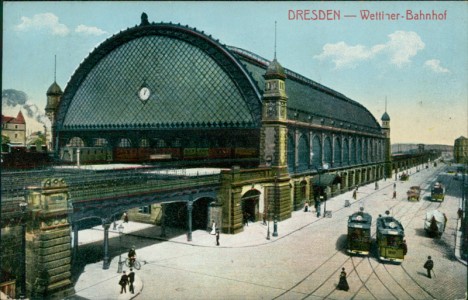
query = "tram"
{"x": 437, "y": 192}
{"x": 390, "y": 239}
{"x": 359, "y": 233}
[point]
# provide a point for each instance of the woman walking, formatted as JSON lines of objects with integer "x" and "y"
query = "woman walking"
{"x": 343, "y": 284}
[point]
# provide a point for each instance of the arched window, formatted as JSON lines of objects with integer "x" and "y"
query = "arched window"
{"x": 352, "y": 147}
{"x": 337, "y": 152}
{"x": 358, "y": 151}
{"x": 100, "y": 142}
{"x": 124, "y": 143}
{"x": 316, "y": 152}
{"x": 365, "y": 157}
{"x": 291, "y": 150}
{"x": 144, "y": 143}
{"x": 303, "y": 153}
{"x": 76, "y": 142}
{"x": 327, "y": 150}
{"x": 345, "y": 152}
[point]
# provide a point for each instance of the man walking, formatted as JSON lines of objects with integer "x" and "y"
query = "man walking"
{"x": 123, "y": 283}
{"x": 429, "y": 265}
{"x": 217, "y": 237}
{"x": 131, "y": 279}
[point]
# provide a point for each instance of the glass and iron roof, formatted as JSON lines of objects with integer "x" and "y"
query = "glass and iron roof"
{"x": 195, "y": 82}
{"x": 311, "y": 98}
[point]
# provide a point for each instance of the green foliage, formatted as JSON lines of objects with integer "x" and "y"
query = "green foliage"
{"x": 5, "y": 139}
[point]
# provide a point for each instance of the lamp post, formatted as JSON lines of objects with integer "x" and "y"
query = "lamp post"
{"x": 324, "y": 167}
{"x": 120, "y": 267}
{"x": 23, "y": 207}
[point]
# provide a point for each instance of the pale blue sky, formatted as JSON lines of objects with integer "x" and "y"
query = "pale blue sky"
{"x": 419, "y": 66}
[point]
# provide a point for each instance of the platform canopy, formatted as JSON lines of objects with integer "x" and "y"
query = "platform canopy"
{"x": 326, "y": 180}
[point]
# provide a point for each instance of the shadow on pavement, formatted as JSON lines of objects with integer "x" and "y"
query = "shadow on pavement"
{"x": 94, "y": 252}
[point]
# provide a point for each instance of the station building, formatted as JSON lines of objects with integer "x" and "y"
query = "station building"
{"x": 168, "y": 93}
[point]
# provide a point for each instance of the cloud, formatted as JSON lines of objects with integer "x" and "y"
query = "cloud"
{"x": 46, "y": 21}
{"x": 400, "y": 48}
{"x": 434, "y": 65}
{"x": 89, "y": 30}
{"x": 403, "y": 46}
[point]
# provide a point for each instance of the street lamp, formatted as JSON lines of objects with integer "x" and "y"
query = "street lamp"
{"x": 120, "y": 267}
{"x": 23, "y": 206}
{"x": 325, "y": 167}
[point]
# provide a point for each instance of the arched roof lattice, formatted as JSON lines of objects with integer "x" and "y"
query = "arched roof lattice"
{"x": 195, "y": 82}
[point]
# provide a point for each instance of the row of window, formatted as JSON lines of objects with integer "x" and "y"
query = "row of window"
{"x": 335, "y": 152}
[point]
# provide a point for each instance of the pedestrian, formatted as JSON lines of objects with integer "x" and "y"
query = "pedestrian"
{"x": 125, "y": 217}
{"x": 317, "y": 207}
{"x": 376, "y": 185}
{"x": 217, "y": 237}
{"x": 394, "y": 195}
{"x": 394, "y": 186}
{"x": 131, "y": 279}
{"x": 132, "y": 255}
{"x": 306, "y": 207}
{"x": 213, "y": 227}
{"x": 343, "y": 283}
{"x": 246, "y": 218}
{"x": 123, "y": 283}
{"x": 460, "y": 213}
{"x": 429, "y": 265}
{"x": 355, "y": 194}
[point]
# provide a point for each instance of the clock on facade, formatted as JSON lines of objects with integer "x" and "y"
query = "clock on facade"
{"x": 271, "y": 110}
{"x": 144, "y": 93}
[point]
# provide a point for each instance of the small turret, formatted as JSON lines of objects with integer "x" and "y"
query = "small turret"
{"x": 54, "y": 94}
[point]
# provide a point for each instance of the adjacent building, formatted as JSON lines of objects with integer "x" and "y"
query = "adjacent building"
{"x": 14, "y": 128}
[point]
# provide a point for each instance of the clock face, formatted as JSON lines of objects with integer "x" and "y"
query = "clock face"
{"x": 144, "y": 93}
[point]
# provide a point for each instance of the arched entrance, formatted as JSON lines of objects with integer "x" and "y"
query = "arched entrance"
{"x": 200, "y": 213}
{"x": 250, "y": 201}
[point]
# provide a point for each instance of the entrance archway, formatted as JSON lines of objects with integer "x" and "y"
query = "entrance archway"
{"x": 200, "y": 213}
{"x": 250, "y": 202}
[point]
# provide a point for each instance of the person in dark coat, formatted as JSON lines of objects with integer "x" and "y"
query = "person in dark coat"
{"x": 123, "y": 283}
{"x": 343, "y": 283}
{"x": 317, "y": 207}
{"x": 217, "y": 237}
{"x": 131, "y": 279}
{"x": 429, "y": 265}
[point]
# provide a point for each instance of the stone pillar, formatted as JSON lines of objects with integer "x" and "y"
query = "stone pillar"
{"x": 48, "y": 241}
{"x": 75, "y": 241}
{"x": 105, "y": 263}
{"x": 189, "y": 219}
{"x": 163, "y": 221}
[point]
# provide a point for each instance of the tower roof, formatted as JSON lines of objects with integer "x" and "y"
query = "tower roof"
{"x": 385, "y": 117}
{"x": 275, "y": 70}
{"x": 54, "y": 89}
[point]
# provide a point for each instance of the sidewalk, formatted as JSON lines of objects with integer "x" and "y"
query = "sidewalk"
{"x": 96, "y": 283}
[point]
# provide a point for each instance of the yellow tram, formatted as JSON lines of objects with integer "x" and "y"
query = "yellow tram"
{"x": 390, "y": 239}
{"x": 359, "y": 233}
